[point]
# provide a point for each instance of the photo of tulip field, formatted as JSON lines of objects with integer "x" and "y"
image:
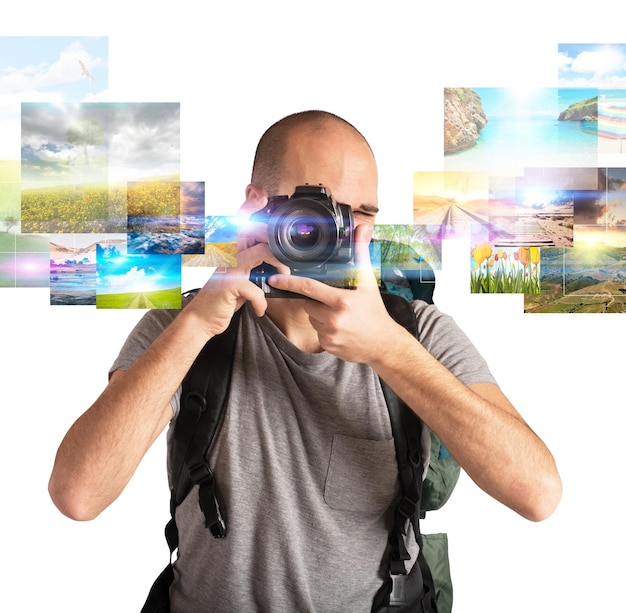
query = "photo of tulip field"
{"x": 505, "y": 270}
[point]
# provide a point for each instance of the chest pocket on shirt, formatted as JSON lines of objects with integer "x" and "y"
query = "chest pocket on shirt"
{"x": 362, "y": 475}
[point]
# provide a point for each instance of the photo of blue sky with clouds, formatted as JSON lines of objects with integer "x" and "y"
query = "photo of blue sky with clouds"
{"x": 592, "y": 66}
{"x": 47, "y": 69}
{"x": 119, "y": 272}
{"x": 138, "y": 140}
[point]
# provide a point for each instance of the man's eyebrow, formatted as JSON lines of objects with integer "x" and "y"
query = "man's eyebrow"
{"x": 365, "y": 208}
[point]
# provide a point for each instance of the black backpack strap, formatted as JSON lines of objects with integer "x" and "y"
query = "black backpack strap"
{"x": 203, "y": 399}
{"x": 158, "y": 600}
{"x": 402, "y": 590}
{"x": 204, "y": 395}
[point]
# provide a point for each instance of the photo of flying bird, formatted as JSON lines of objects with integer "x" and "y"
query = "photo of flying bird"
{"x": 85, "y": 71}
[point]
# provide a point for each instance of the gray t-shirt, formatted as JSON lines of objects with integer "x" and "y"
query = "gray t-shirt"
{"x": 306, "y": 471}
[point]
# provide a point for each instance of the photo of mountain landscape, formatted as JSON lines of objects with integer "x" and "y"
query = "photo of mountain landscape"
{"x": 586, "y": 278}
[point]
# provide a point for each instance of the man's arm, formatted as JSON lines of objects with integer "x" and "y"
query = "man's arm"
{"x": 103, "y": 448}
{"x": 478, "y": 424}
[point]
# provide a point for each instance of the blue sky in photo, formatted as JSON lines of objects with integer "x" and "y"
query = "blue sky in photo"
{"x": 601, "y": 66}
{"x": 55, "y": 69}
{"x": 121, "y": 273}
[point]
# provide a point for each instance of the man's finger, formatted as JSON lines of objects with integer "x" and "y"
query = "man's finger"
{"x": 251, "y": 233}
{"x": 307, "y": 287}
{"x": 363, "y": 264}
{"x": 257, "y": 254}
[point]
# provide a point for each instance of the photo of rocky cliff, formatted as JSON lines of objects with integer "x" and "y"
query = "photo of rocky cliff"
{"x": 464, "y": 118}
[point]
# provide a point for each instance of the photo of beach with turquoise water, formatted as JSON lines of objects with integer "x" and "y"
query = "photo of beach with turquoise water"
{"x": 523, "y": 130}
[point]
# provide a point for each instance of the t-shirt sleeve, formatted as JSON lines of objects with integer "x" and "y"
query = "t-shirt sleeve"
{"x": 445, "y": 341}
{"x": 143, "y": 334}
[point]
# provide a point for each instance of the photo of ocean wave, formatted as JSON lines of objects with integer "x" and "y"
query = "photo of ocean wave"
{"x": 523, "y": 130}
{"x": 73, "y": 284}
{"x": 185, "y": 241}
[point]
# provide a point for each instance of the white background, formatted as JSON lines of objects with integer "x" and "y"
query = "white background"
{"x": 235, "y": 70}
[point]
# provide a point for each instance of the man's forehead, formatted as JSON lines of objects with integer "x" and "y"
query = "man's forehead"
{"x": 340, "y": 160}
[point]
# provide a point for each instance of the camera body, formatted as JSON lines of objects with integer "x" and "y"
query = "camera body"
{"x": 311, "y": 234}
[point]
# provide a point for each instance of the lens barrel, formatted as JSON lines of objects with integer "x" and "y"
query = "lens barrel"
{"x": 304, "y": 233}
{"x": 311, "y": 234}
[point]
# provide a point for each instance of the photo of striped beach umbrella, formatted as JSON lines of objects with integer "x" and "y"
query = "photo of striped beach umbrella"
{"x": 612, "y": 120}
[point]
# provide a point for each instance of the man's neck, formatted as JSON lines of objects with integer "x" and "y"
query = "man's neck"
{"x": 291, "y": 319}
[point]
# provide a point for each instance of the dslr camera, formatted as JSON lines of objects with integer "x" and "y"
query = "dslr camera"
{"x": 311, "y": 234}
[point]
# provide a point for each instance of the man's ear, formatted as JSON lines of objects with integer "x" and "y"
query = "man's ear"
{"x": 255, "y": 193}
{"x": 255, "y": 200}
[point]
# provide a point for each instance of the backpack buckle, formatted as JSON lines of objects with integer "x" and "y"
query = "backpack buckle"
{"x": 218, "y": 528}
{"x": 201, "y": 474}
{"x": 407, "y": 507}
{"x": 397, "y": 597}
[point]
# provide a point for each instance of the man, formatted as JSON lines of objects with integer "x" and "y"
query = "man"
{"x": 304, "y": 458}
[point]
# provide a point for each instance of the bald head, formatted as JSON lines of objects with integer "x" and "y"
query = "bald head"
{"x": 269, "y": 160}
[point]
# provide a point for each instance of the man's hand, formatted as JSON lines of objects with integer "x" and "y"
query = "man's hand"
{"x": 229, "y": 288}
{"x": 352, "y": 324}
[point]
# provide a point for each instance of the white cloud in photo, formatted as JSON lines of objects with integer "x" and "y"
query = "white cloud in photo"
{"x": 133, "y": 280}
{"x": 140, "y": 140}
{"x": 592, "y": 66}
{"x": 599, "y": 63}
{"x": 47, "y": 69}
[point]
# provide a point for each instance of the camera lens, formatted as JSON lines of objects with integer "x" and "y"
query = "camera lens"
{"x": 304, "y": 233}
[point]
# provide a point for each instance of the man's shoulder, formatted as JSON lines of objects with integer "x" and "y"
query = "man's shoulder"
{"x": 432, "y": 323}
{"x": 427, "y": 312}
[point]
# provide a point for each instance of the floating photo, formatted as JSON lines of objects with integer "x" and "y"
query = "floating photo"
{"x": 538, "y": 208}
{"x": 63, "y": 69}
{"x": 73, "y": 269}
{"x": 587, "y": 278}
{"x": 220, "y": 238}
{"x": 507, "y": 129}
{"x": 453, "y": 200}
{"x": 503, "y": 270}
{"x": 78, "y": 158}
{"x": 24, "y": 258}
{"x": 165, "y": 216}
{"x": 405, "y": 258}
{"x": 136, "y": 281}
{"x": 603, "y": 67}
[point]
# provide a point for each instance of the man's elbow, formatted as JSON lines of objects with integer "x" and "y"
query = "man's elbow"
{"x": 544, "y": 499}
{"x": 71, "y": 501}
